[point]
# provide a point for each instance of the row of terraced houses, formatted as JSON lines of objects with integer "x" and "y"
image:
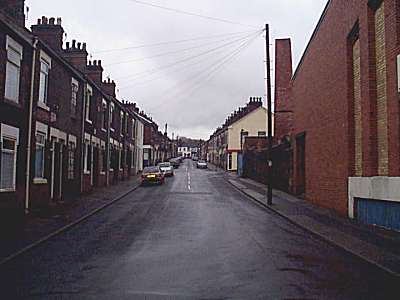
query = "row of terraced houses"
{"x": 63, "y": 131}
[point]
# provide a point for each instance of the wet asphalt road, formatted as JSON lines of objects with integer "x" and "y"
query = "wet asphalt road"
{"x": 193, "y": 238}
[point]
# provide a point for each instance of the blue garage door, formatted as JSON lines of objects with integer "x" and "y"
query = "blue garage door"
{"x": 381, "y": 213}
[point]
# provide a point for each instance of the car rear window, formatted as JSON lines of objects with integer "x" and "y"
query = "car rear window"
{"x": 163, "y": 165}
{"x": 151, "y": 170}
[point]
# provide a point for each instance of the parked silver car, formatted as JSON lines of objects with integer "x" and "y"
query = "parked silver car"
{"x": 166, "y": 168}
{"x": 201, "y": 164}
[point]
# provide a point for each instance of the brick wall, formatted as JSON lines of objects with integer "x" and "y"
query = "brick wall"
{"x": 351, "y": 120}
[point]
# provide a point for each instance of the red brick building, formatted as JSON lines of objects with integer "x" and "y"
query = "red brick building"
{"x": 62, "y": 129}
{"x": 345, "y": 98}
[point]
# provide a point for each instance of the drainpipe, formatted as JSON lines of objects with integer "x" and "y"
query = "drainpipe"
{"x": 107, "y": 146}
{"x": 83, "y": 136}
{"x": 30, "y": 118}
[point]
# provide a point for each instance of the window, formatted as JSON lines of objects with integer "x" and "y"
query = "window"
{"x": 126, "y": 124}
{"x": 110, "y": 157}
{"x": 134, "y": 129}
{"x": 44, "y": 81}
{"x": 71, "y": 160}
{"x": 112, "y": 119}
{"x": 87, "y": 158}
{"x": 74, "y": 96}
{"x": 88, "y": 103}
{"x": 104, "y": 115}
{"x": 39, "y": 155}
{"x": 121, "y": 128}
{"x": 13, "y": 70}
{"x": 120, "y": 159}
{"x": 8, "y": 164}
{"x": 262, "y": 133}
{"x": 230, "y": 161}
{"x": 103, "y": 160}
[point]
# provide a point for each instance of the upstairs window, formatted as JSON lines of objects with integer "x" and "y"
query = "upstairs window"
{"x": 112, "y": 118}
{"x": 74, "y": 97}
{"x": 262, "y": 133}
{"x": 104, "y": 115}
{"x": 13, "y": 70}
{"x": 88, "y": 104}
{"x": 44, "y": 81}
{"x": 121, "y": 128}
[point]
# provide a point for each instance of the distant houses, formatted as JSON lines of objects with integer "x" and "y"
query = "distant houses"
{"x": 227, "y": 141}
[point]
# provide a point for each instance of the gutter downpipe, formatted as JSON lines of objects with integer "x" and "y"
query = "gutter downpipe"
{"x": 83, "y": 146}
{"x": 30, "y": 120}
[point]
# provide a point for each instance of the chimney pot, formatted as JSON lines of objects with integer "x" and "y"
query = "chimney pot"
{"x": 95, "y": 63}
{"x": 84, "y": 46}
{"x": 52, "y": 21}
{"x": 59, "y": 21}
{"x": 39, "y": 21}
{"x": 79, "y": 45}
{"x": 99, "y": 62}
{"x": 44, "y": 20}
{"x": 67, "y": 45}
{"x": 73, "y": 44}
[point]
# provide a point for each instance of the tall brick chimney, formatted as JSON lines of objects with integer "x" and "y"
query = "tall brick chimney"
{"x": 50, "y": 31}
{"x": 15, "y": 10}
{"x": 76, "y": 54}
{"x": 109, "y": 87}
{"x": 95, "y": 71}
{"x": 283, "y": 74}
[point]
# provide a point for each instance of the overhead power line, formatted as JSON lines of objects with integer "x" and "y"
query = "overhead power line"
{"x": 186, "y": 66}
{"x": 204, "y": 75}
{"x": 179, "y": 11}
{"x": 133, "y": 76}
{"x": 207, "y": 37}
{"x": 171, "y": 52}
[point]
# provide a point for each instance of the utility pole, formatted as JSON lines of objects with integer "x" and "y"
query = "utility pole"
{"x": 269, "y": 116}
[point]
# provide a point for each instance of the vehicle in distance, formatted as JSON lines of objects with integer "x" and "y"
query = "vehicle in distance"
{"x": 152, "y": 175}
{"x": 195, "y": 158}
{"x": 166, "y": 168}
{"x": 201, "y": 164}
{"x": 175, "y": 162}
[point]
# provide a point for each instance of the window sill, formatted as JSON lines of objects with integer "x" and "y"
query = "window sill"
{"x": 86, "y": 172}
{"x": 111, "y": 170}
{"x": 15, "y": 103}
{"x": 43, "y": 106}
{"x": 104, "y": 130}
{"x": 112, "y": 129}
{"x": 102, "y": 173}
{"x": 13, "y": 190}
{"x": 89, "y": 121}
{"x": 39, "y": 181}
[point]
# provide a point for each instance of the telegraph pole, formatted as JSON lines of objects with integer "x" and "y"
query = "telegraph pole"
{"x": 269, "y": 116}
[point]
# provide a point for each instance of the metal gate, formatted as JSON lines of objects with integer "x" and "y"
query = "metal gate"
{"x": 380, "y": 213}
{"x": 240, "y": 164}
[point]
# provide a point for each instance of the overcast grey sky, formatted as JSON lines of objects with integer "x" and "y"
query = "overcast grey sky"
{"x": 190, "y": 85}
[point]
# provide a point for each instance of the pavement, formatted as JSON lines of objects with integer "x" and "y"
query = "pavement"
{"x": 375, "y": 245}
{"x": 195, "y": 237}
{"x": 40, "y": 226}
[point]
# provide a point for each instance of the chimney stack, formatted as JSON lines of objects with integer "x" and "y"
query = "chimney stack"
{"x": 283, "y": 74}
{"x": 50, "y": 32}
{"x": 15, "y": 9}
{"x": 76, "y": 55}
{"x": 94, "y": 70}
{"x": 109, "y": 86}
